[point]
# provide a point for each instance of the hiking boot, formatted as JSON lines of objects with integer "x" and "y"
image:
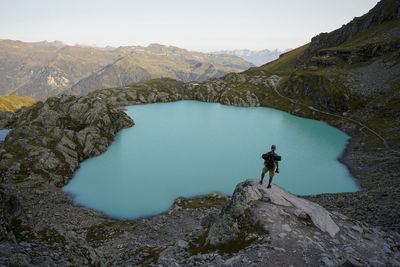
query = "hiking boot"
{"x": 269, "y": 186}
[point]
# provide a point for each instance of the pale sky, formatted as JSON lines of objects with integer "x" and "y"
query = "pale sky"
{"x": 202, "y": 25}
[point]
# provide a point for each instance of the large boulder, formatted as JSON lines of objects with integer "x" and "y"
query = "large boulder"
{"x": 260, "y": 216}
{"x": 228, "y": 226}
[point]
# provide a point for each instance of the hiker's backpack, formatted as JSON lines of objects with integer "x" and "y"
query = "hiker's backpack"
{"x": 269, "y": 160}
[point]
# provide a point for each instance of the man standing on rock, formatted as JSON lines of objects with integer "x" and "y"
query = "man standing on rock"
{"x": 270, "y": 160}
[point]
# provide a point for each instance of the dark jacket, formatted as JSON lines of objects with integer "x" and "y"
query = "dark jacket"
{"x": 270, "y": 158}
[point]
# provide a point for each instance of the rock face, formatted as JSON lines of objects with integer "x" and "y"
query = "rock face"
{"x": 70, "y": 128}
{"x": 350, "y": 67}
{"x": 250, "y": 191}
{"x": 275, "y": 228}
{"x": 6, "y": 118}
{"x": 385, "y": 10}
{"x": 11, "y": 214}
{"x": 233, "y": 89}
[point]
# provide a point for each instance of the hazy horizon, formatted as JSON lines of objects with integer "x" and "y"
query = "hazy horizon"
{"x": 137, "y": 45}
{"x": 211, "y": 26}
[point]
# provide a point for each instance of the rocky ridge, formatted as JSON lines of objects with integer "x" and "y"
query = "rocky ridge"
{"x": 260, "y": 227}
{"x": 384, "y": 11}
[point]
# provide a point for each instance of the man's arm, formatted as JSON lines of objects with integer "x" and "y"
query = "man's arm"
{"x": 277, "y": 166}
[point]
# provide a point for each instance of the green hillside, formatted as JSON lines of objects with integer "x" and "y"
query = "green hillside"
{"x": 360, "y": 76}
{"x": 13, "y": 102}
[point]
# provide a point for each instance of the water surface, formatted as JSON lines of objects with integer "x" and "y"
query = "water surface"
{"x": 3, "y": 134}
{"x": 190, "y": 148}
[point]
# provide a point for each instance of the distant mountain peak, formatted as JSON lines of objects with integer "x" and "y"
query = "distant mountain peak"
{"x": 258, "y": 58}
{"x": 55, "y": 43}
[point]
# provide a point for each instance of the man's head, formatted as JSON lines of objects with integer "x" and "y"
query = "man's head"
{"x": 273, "y": 147}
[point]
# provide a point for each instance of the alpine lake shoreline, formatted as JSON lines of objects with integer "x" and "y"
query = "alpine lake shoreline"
{"x": 370, "y": 172}
{"x": 46, "y": 219}
{"x": 348, "y": 78}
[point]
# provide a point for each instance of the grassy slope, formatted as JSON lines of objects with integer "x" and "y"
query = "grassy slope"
{"x": 284, "y": 64}
{"x": 13, "y": 102}
{"x": 297, "y": 73}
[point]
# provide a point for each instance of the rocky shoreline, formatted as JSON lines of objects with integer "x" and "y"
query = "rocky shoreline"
{"x": 40, "y": 225}
{"x": 347, "y": 78}
{"x": 375, "y": 202}
{"x": 366, "y": 157}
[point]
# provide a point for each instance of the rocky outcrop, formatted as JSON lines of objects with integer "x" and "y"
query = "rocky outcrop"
{"x": 273, "y": 227}
{"x": 45, "y": 146}
{"x": 6, "y": 117}
{"x": 385, "y": 10}
{"x": 71, "y": 129}
{"x": 225, "y": 90}
{"x": 12, "y": 215}
{"x": 251, "y": 190}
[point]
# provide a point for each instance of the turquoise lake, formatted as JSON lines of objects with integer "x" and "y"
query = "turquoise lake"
{"x": 190, "y": 148}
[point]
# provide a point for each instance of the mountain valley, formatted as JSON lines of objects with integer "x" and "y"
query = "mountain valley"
{"x": 349, "y": 78}
{"x": 45, "y": 69}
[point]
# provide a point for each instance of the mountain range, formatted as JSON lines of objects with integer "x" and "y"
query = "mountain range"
{"x": 258, "y": 58}
{"x": 349, "y": 78}
{"x": 47, "y": 69}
